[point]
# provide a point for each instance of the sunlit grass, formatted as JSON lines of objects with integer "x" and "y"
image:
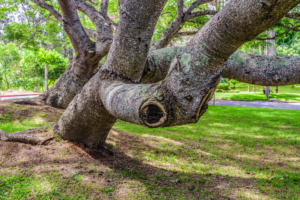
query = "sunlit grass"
{"x": 231, "y": 153}
{"x": 241, "y": 143}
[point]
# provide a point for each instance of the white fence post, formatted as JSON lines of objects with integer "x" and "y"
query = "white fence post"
{"x": 46, "y": 77}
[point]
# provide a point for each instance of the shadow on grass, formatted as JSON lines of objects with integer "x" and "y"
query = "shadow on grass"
{"x": 232, "y": 153}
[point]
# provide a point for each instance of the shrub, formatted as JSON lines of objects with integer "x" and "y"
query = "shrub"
{"x": 223, "y": 86}
{"x": 233, "y": 83}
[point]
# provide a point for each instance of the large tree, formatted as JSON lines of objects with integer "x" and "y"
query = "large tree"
{"x": 190, "y": 75}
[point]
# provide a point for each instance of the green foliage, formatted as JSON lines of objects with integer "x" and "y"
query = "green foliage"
{"x": 223, "y": 86}
{"x": 289, "y": 50}
{"x": 9, "y": 61}
{"x": 38, "y": 29}
{"x": 32, "y": 68}
{"x": 233, "y": 83}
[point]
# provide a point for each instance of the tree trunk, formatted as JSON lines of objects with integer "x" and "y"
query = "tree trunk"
{"x": 87, "y": 53}
{"x": 71, "y": 82}
{"x": 192, "y": 78}
{"x": 5, "y": 76}
{"x": 266, "y": 88}
{"x": 86, "y": 119}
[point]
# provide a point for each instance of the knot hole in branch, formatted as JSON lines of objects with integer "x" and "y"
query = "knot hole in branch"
{"x": 153, "y": 114}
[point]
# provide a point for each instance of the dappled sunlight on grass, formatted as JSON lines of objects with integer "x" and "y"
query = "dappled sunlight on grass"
{"x": 248, "y": 143}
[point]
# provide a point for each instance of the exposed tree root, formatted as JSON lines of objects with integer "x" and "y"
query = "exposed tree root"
{"x": 30, "y": 136}
{"x": 33, "y": 102}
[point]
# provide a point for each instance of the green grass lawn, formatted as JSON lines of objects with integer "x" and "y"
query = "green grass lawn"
{"x": 285, "y": 93}
{"x": 231, "y": 153}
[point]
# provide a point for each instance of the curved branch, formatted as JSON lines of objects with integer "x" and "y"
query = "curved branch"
{"x": 263, "y": 70}
{"x": 249, "y": 68}
{"x": 72, "y": 25}
{"x": 195, "y": 72}
{"x": 293, "y": 15}
{"x": 104, "y": 34}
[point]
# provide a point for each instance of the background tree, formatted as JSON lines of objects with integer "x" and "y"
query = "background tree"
{"x": 9, "y": 59}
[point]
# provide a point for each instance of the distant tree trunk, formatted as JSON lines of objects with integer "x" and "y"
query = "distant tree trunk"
{"x": 5, "y": 76}
{"x": 267, "y": 88}
{"x": 272, "y": 49}
{"x": 253, "y": 51}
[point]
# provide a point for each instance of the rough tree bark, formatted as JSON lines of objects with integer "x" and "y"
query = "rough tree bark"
{"x": 182, "y": 97}
{"x": 192, "y": 77}
{"x": 80, "y": 69}
{"x": 87, "y": 53}
{"x": 249, "y": 68}
{"x": 86, "y": 118}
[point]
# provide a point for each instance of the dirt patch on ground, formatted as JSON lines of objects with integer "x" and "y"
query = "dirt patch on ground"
{"x": 10, "y": 111}
{"x": 115, "y": 172}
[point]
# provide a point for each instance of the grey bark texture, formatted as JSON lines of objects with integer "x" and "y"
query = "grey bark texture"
{"x": 241, "y": 66}
{"x": 192, "y": 78}
{"x": 86, "y": 119}
{"x": 194, "y": 73}
{"x": 87, "y": 53}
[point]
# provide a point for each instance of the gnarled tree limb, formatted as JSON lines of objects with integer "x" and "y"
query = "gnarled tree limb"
{"x": 127, "y": 56}
{"x": 249, "y": 68}
{"x": 71, "y": 23}
{"x": 195, "y": 72}
{"x": 31, "y": 136}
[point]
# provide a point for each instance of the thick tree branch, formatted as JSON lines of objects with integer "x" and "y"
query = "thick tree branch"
{"x": 241, "y": 66}
{"x": 194, "y": 74}
{"x": 126, "y": 57}
{"x": 180, "y": 7}
{"x": 104, "y": 6}
{"x": 104, "y": 35}
{"x": 72, "y": 25}
{"x": 263, "y": 70}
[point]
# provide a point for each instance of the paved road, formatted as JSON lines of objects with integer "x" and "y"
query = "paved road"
{"x": 258, "y": 104}
{"x": 16, "y": 97}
